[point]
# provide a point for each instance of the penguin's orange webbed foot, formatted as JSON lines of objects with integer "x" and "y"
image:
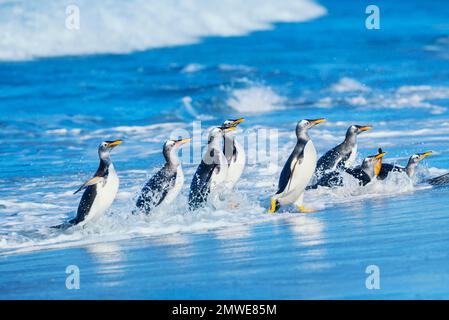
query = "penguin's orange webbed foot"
{"x": 274, "y": 206}
{"x": 303, "y": 209}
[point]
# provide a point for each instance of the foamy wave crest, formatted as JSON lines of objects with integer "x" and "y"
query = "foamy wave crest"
{"x": 255, "y": 99}
{"x": 30, "y": 29}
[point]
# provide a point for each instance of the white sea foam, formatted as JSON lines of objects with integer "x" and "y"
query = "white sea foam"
{"x": 348, "y": 85}
{"x": 192, "y": 68}
{"x": 31, "y": 29}
{"x": 255, "y": 99}
{"x": 64, "y": 131}
{"x": 351, "y": 92}
{"x": 230, "y": 67}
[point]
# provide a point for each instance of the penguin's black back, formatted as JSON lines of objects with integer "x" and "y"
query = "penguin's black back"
{"x": 335, "y": 179}
{"x": 200, "y": 186}
{"x": 156, "y": 189}
{"x": 439, "y": 181}
{"x": 329, "y": 179}
{"x": 327, "y": 161}
{"x": 387, "y": 168}
{"x": 359, "y": 174}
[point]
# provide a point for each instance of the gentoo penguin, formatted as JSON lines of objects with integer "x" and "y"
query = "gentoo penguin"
{"x": 365, "y": 173}
{"x": 100, "y": 190}
{"x": 298, "y": 170}
{"x": 234, "y": 153}
{"x": 343, "y": 155}
{"x": 212, "y": 171}
{"x": 410, "y": 169}
{"x": 439, "y": 181}
{"x": 166, "y": 184}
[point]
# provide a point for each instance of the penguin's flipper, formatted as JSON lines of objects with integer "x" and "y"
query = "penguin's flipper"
{"x": 287, "y": 172}
{"x": 91, "y": 182}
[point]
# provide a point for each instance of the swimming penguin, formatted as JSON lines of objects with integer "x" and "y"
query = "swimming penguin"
{"x": 100, "y": 190}
{"x": 212, "y": 171}
{"x": 439, "y": 181}
{"x": 410, "y": 169}
{"x": 442, "y": 180}
{"x": 166, "y": 184}
{"x": 298, "y": 170}
{"x": 234, "y": 153}
{"x": 343, "y": 155}
{"x": 365, "y": 173}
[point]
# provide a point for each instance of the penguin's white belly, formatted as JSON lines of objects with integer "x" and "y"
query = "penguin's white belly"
{"x": 218, "y": 178}
{"x": 301, "y": 174}
{"x": 351, "y": 160}
{"x": 174, "y": 192}
{"x": 105, "y": 196}
{"x": 236, "y": 167}
{"x": 304, "y": 170}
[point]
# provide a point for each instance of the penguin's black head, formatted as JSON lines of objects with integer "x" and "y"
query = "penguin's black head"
{"x": 216, "y": 134}
{"x": 306, "y": 124}
{"x": 356, "y": 129}
{"x": 232, "y": 123}
{"x": 173, "y": 145}
{"x": 106, "y": 146}
{"x": 416, "y": 158}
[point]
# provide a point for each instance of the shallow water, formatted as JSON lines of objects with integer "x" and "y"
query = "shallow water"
{"x": 55, "y": 111}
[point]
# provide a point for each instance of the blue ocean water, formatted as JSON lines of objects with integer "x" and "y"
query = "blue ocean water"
{"x": 59, "y": 100}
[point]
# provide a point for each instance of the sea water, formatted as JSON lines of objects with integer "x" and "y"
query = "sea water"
{"x": 139, "y": 70}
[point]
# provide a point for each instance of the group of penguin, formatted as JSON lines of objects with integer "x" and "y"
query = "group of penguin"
{"x": 223, "y": 164}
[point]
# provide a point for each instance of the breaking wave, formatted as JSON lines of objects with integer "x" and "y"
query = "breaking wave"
{"x": 31, "y": 29}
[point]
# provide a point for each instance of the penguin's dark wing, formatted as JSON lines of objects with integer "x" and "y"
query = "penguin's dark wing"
{"x": 439, "y": 181}
{"x": 156, "y": 189}
{"x": 85, "y": 205}
{"x": 90, "y": 182}
{"x": 293, "y": 161}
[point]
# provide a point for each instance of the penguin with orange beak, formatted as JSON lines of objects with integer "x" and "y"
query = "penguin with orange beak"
{"x": 365, "y": 173}
{"x": 409, "y": 169}
{"x": 100, "y": 191}
{"x": 343, "y": 155}
{"x": 234, "y": 153}
{"x": 165, "y": 185}
{"x": 298, "y": 170}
